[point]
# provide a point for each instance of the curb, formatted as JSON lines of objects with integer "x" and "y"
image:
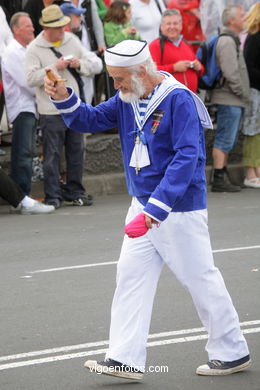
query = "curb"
{"x": 114, "y": 183}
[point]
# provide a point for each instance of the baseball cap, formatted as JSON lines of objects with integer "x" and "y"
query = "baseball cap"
{"x": 69, "y": 8}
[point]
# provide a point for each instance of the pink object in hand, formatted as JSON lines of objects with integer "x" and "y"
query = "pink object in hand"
{"x": 137, "y": 227}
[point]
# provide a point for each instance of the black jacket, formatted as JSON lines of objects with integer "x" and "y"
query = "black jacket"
{"x": 252, "y": 57}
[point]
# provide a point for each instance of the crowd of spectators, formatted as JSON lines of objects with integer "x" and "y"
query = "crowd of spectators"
{"x": 173, "y": 29}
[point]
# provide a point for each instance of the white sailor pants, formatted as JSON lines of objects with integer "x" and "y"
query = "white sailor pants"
{"x": 182, "y": 242}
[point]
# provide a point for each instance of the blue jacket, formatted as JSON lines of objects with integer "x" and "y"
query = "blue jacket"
{"x": 175, "y": 179}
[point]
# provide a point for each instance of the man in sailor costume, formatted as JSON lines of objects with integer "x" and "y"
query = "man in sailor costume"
{"x": 160, "y": 123}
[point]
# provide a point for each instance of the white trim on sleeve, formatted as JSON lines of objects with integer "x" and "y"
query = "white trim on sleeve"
{"x": 151, "y": 216}
{"x": 70, "y": 109}
{"x": 160, "y": 204}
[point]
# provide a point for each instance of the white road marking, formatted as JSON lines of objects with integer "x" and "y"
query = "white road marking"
{"x": 242, "y": 248}
{"x": 74, "y": 267}
{"x": 93, "y": 352}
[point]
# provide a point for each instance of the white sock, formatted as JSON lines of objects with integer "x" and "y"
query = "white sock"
{"x": 27, "y": 201}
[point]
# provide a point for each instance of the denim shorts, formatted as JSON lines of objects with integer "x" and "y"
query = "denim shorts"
{"x": 228, "y": 123}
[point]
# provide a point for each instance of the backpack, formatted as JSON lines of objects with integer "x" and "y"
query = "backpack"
{"x": 207, "y": 55}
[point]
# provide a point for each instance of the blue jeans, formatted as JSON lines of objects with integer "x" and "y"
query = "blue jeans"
{"x": 55, "y": 136}
{"x": 23, "y": 148}
{"x": 228, "y": 123}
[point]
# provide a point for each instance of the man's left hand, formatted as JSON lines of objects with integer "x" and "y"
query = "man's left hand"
{"x": 150, "y": 222}
{"x": 74, "y": 63}
{"x": 196, "y": 66}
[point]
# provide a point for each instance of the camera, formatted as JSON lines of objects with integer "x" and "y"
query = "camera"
{"x": 191, "y": 64}
{"x": 68, "y": 58}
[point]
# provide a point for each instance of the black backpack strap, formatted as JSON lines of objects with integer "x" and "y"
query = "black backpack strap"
{"x": 235, "y": 39}
{"x": 89, "y": 24}
{"x": 74, "y": 73}
{"x": 162, "y": 40}
{"x": 158, "y": 6}
{"x": 204, "y": 53}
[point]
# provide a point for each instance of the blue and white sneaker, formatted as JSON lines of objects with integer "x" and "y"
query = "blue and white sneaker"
{"x": 217, "y": 367}
{"x": 114, "y": 368}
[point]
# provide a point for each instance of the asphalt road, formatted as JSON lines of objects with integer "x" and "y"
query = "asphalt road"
{"x": 57, "y": 277}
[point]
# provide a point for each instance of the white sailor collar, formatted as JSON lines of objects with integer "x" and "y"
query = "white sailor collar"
{"x": 168, "y": 84}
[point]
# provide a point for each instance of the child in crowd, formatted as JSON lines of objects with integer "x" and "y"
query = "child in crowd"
{"x": 116, "y": 23}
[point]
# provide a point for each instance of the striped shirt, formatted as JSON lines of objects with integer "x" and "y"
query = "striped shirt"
{"x": 143, "y": 104}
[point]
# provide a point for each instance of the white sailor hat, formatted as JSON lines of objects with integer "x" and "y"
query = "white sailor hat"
{"x": 127, "y": 53}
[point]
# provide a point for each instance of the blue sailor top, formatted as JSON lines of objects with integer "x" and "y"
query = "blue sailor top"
{"x": 175, "y": 179}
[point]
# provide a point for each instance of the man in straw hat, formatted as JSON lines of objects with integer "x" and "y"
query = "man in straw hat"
{"x": 63, "y": 52}
{"x": 161, "y": 130}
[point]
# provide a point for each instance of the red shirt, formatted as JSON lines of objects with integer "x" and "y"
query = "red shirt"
{"x": 173, "y": 54}
{"x": 191, "y": 27}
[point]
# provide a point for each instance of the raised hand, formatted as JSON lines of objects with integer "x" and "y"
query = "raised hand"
{"x": 54, "y": 85}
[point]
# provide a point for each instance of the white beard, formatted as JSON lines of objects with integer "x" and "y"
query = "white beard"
{"x": 138, "y": 91}
{"x": 128, "y": 97}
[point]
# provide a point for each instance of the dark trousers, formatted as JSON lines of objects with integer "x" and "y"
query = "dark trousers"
{"x": 23, "y": 148}
{"x": 9, "y": 190}
{"x": 55, "y": 136}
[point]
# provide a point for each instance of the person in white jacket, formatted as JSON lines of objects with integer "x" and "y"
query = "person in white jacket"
{"x": 78, "y": 27}
{"x": 62, "y": 51}
{"x": 146, "y": 17}
{"x": 5, "y": 38}
{"x": 6, "y": 34}
{"x": 20, "y": 101}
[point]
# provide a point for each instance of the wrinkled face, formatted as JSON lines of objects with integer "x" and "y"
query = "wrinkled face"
{"x": 75, "y": 22}
{"x": 171, "y": 27}
{"x": 238, "y": 21}
{"x": 24, "y": 32}
{"x": 54, "y": 34}
{"x": 131, "y": 86}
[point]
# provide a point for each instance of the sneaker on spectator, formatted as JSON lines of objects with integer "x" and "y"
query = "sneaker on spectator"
{"x": 114, "y": 368}
{"x": 217, "y": 367}
{"x": 252, "y": 183}
{"x": 83, "y": 200}
{"x": 57, "y": 203}
{"x": 36, "y": 208}
{"x": 224, "y": 187}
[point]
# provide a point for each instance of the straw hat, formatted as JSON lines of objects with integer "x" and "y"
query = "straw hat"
{"x": 52, "y": 16}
